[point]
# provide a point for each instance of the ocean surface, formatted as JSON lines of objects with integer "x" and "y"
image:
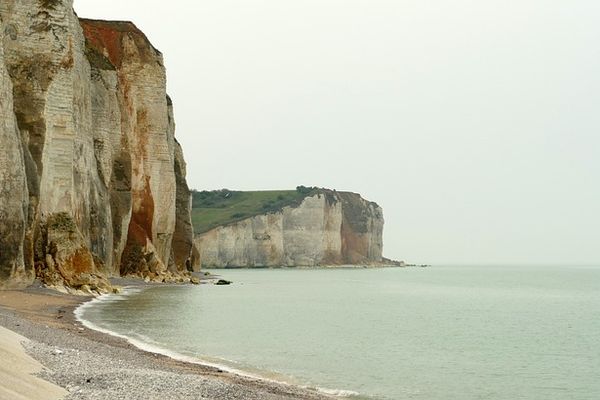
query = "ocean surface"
{"x": 414, "y": 333}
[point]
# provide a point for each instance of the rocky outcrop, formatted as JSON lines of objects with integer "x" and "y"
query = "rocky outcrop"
{"x": 328, "y": 228}
{"x": 92, "y": 181}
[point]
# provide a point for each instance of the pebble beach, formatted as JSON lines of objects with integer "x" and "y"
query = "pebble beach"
{"x": 78, "y": 363}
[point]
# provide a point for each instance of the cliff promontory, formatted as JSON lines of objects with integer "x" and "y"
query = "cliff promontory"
{"x": 92, "y": 180}
{"x": 316, "y": 227}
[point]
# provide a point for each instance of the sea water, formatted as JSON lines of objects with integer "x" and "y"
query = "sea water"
{"x": 403, "y": 333}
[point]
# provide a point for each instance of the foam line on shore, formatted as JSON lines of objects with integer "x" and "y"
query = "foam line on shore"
{"x": 155, "y": 349}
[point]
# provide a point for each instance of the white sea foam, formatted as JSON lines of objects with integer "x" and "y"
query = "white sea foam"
{"x": 146, "y": 344}
{"x": 149, "y": 345}
{"x": 337, "y": 392}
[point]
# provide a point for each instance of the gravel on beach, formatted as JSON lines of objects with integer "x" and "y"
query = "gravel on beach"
{"x": 92, "y": 365}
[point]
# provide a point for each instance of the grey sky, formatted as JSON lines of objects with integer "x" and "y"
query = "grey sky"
{"x": 474, "y": 123}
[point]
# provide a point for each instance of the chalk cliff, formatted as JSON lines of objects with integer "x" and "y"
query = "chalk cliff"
{"x": 327, "y": 228}
{"x": 92, "y": 181}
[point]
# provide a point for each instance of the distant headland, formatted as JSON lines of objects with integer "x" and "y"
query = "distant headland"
{"x": 306, "y": 227}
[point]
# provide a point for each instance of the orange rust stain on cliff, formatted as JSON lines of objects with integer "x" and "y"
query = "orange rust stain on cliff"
{"x": 143, "y": 126}
{"x": 140, "y": 227}
{"x": 106, "y": 37}
{"x": 68, "y": 61}
{"x": 80, "y": 262}
{"x": 355, "y": 246}
{"x": 139, "y": 147}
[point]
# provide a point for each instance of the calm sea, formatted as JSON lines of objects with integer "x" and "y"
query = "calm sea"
{"x": 414, "y": 333}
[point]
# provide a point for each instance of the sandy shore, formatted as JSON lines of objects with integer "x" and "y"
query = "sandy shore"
{"x": 91, "y": 365}
{"x": 17, "y": 379}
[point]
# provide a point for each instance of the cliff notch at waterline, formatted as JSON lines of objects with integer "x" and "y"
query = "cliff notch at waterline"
{"x": 309, "y": 227}
{"x": 92, "y": 180}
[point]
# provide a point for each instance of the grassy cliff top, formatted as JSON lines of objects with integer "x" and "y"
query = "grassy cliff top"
{"x": 211, "y": 209}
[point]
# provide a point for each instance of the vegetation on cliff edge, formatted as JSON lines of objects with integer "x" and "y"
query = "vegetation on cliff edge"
{"x": 222, "y": 207}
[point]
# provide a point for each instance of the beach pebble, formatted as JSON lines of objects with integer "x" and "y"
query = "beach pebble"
{"x": 74, "y": 389}
{"x": 97, "y": 369}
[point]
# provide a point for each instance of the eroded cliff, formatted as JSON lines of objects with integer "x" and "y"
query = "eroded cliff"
{"x": 92, "y": 179}
{"x": 326, "y": 228}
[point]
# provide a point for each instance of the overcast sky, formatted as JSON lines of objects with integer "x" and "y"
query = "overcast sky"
{"x": 475, "y": 124}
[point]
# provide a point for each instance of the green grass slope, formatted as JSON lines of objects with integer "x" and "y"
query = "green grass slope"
{"x": 211, "y": 209}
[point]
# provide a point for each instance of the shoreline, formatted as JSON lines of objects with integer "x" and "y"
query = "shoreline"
{"x": 314, "y": 267}
{"x": 153, "y": 349}
{"x": 91, "y": 364}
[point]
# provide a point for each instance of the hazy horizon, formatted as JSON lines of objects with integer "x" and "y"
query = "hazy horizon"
{"x": 474, "y": 124}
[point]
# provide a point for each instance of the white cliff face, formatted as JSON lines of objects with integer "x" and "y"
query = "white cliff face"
{"x": 312, "y": 232}
{"x": 45, "y": 61}
{"x": 14, "y": 197}
{"x": 326, "y": 229}
{"x": 88, "y": 163}
{"x": 51, "y": 91}
{"x": 113, "y": 158}
{"x": 146, "y": 131}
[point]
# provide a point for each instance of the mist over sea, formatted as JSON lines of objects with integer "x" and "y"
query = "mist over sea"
{"x": 451, "y": 332}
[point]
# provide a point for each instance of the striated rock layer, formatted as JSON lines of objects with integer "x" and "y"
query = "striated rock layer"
{"x": 329, "y": 228}
{"x": 92, "y": 181}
